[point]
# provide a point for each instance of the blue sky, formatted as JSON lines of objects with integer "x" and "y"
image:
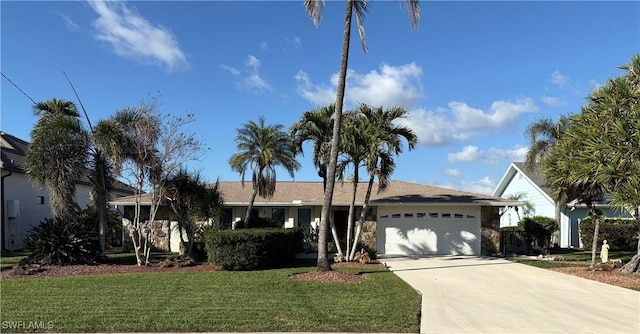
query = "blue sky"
{"x": 473, "y": 76}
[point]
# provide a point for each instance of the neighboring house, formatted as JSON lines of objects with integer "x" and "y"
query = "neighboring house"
{"x": 24, "y": 205}
{"x": 411, "y": 218}
{"x": 531, "y": 183}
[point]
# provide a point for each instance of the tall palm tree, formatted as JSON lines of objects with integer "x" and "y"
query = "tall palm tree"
{"x": 543, "y": 136}
{"x": 57, "y": 154}
{"x": 317, "y": 126}
{"x": 262, "y": 148}
{"x": 383, "y": 142}
{"x": 359, "y": 8}
{"x": 356, "y": 139}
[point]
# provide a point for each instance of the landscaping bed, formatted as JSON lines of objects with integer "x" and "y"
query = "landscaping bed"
{"x": 577, "y": 264}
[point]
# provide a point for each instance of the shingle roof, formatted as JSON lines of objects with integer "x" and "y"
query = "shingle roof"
{"x": 311, "y": 193}
{"x": 14, "y": 156}
{"x": 14, "y": 152}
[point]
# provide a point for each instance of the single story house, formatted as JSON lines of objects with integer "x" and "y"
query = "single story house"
{"x": 25, "y": 205}
{"x": 531, "y": 183}
{"x": 410, "y": 218}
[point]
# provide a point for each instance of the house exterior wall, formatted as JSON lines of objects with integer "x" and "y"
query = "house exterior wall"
{"x": 34, "y": 207}
{"x": 542, "y": 206}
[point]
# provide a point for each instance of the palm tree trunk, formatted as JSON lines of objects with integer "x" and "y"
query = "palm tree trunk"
{"x": 363, "y": 215}
{"x": 594, "y": 244}
{"x": 247, "y": 215}
{"x": 633, "y": 266}
{"x": 323, "y": 261}
{"x": 336, "y": 239}
{"x": 352, "y": 208}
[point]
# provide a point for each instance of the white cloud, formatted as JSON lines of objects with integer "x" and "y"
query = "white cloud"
{"x": 559, "y": 79}
{"x": 317, "y": 94}
{"x": 468, "y": 154}
{"x": 231, "y": 69}
{"x": 72, "y": 26}
{"x": 492, "y": 156}
{"x": 485, "y": 185}
{"x": 388, "y": 86}
{"x": 554, "y": 101}
{"x": 132, "y": 36}
{"x": 295, "y": 40}
{"x": 452, "y": 172}
{"x": 517, "y": 153}
{"x": 264, "y": 46}
{"x": 460, "y": 121}
{"x": 251, "y": 79}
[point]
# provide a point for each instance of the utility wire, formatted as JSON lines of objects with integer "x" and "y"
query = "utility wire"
{"x": 80, "y": 101}
{"x": 16, "y": 86}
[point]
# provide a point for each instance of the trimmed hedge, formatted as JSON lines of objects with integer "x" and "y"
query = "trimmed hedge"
{"x": 251, "y": 249}
{"x": 620, "y": 233}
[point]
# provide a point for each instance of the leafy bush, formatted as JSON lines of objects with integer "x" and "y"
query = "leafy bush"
{"x": 619, "y": 233}
{"x": 250, "y": 249}
{"x": 62, "y": 242}
{"x": 539, "y": 229}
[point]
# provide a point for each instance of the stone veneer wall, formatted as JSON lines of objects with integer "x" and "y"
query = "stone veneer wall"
{"x": 161, "y": 235}
{"x": 490, "y": 231}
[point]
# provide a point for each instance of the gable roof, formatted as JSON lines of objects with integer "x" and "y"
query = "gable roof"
{"x": 311, "y": 193}
{"x": 14, "y": 156}
{"x": 534, "y": 176}
{"x": 14, "y": 153}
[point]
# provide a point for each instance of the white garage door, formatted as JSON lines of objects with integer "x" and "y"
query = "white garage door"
{"x": 444, "y": 231}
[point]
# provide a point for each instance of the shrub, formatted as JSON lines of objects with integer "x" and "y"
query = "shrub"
{"x": 250, "y": 249}
{"x": 539, "y": 230}
{"x": 620, "y": 233}
{"x": 61, "y": 242}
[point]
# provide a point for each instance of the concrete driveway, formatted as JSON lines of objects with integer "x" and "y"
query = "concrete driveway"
{"x": 463, "y": 294}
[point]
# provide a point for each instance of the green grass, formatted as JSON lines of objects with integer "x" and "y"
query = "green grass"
{"x": 213, "y": 301}
{"x": 542, "y": 264}
{"x": 625, "y": 256}
{"x": 8, "y": 259}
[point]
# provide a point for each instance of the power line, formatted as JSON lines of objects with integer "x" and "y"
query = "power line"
{"x": 16, "y": 86}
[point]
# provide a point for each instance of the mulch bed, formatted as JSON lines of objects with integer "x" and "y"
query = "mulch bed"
{"x": 613, "y": 277}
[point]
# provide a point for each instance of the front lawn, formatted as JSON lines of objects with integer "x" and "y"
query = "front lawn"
{"x": 213, "y": 301}
{"x": 8, "y": 258}
{"x": 543, "y": 264}
{"x": 625, "y": 256}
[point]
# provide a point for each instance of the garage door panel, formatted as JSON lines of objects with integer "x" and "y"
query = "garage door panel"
{"x": 430, "y": 236}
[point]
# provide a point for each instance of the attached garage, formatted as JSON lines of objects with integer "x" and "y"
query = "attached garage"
{"x": 429, "y": 230}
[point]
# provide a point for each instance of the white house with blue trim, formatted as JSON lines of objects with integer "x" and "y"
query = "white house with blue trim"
{"x": 520, "y": 180}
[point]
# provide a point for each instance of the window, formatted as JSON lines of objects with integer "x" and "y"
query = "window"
{"x": 304, "y": 218}
{"x": 39, "y": 199}
{"x": 396, "y": 215}
{"x": 433, "y": 214}
{"x": 420, "y": 215}
{"x": 458, "y": 215}
{"x": 225, "y": 218}
{"x": 446, "y": 215}
{"x": 408, "y": 215}
{"x": 384, "y": 216}
{"x": 277, "y": 215}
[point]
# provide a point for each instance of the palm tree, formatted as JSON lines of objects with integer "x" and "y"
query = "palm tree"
{"x": 543, "y": 136}
{"x": 193, "y": 202}
{"x": 316, "y": 126}
{"x": 527, "y": 206}
{"x": 262, "y": 148}
{"x": 384, "y": 141}
{"x": 57, "y": 153}
{"x": 356, "y": 139}
{"x": 360, "y": 8}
